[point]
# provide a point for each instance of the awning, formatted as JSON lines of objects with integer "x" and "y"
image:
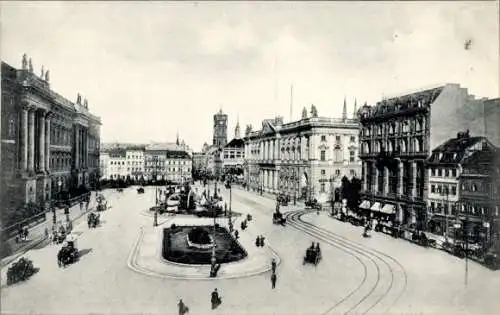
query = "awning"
{"x": 388, "y": 208}
{"x": 365, "y": 204}
{"x": 376, "y": 206}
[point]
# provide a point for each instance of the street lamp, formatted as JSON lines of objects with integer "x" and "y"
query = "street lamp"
{"x": 230, "y": 208}
{"x": 155, "y": 172}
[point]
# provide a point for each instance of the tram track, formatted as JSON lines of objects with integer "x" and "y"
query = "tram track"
{"x": 358, "y": 251}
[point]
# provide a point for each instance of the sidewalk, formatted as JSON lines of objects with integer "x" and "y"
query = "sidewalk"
{"x": 37, "y": 233}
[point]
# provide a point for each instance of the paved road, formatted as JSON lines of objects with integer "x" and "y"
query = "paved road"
{"x": 101, "y": 281}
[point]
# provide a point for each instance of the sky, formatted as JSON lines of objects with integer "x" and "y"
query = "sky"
{"x": 152, "y": 69}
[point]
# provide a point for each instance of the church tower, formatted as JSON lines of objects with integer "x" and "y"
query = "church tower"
{"x": 220, "y": 129}
{"x": 237, "y": 129}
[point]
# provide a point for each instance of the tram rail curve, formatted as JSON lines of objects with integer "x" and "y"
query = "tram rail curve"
{"x": 358, "y": 251}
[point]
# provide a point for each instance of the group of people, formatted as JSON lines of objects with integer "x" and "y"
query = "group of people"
{"x": 273, "y": 274}
{"x": 22, "y": 234}
{"x": 259, "y": 241}
{"x": 215, "y": 299}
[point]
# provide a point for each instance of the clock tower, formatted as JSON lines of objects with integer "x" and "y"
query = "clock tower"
{"x": 220, "y": 129}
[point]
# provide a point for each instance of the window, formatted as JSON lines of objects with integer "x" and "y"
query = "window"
{"x": 453, "y": 190}
{"x": 454, "y": 173}
{"x": 12, "y": 127}
{"x": 337, "y": 139}
{"x": 446, "y": 172}
{"x": 323, "y": 138}
{"x": 323, "y": 172}
{"x": 353, "y": 139}
{"x": 322, "y": 187}
{"x": 337, "y": 172}
{"x": 352, "y": 172}
{"x": 474, "y": 187}
{"x": 440, "y": 172}
{"x": 433, "y": 172}
{"x": 323, "y": 155}
{"x": 352, "y": 156}
{"x": 433, "y": 206}
{"x": 433, "y": 188}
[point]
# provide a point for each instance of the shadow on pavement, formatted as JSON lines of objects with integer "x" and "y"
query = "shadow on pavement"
{"x": 84, "y": 252}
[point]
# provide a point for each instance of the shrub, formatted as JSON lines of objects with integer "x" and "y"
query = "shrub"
{"x": 199, "y": 235}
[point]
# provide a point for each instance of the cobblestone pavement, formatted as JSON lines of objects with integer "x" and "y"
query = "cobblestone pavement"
{"x": 101, "y": 282}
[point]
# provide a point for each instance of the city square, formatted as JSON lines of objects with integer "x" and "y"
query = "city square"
{"x": 377, "y": 275}
{"x": 250, "y": 158}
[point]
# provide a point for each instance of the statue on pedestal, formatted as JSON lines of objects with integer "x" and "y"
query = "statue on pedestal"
{"x": 30, "y": 66}
{"x": 42, "y": 73}
{"x": 47, "y": 77}
{"x": 304, "y": 113}
{"x": 85, "y": 103}
{"x": 314, "y": 111}
{"x": 78, "y": 99}
{"x": 25, "y": 62}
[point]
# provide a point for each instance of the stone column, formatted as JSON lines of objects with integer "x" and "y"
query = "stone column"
{"x": 47, "y": 143}
{"x": 24, "y": 139}
{"x": 77, "y": 147}
{"x": 400, "y": 178}
{"x": 41, "y": 142}
{"x": 31, "y": 140}
{"x": 365, "y": 176}
{"x": 271, "y": 149}
{"x": 414, "y": 179}
{"x": 261, "y": 146}
{"x": 386, "y": 180}
{"x": 375, "y": 184}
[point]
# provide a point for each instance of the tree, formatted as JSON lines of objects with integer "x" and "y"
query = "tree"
{"x": 354, "y": 194}
{"x": 344, "y": 190}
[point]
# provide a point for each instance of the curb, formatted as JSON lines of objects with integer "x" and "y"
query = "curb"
{"x": 132, "y": 264}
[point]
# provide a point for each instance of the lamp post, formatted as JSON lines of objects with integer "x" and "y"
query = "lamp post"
{"x": 155, "y": 172}
{"x": 230, "y": 208}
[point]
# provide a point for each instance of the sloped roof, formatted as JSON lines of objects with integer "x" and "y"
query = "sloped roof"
{"x": 235, "y": 143}
{"x": 160, "y": 146}
{"x": 484, "y": 157}
{"x": 453, "y": 150}
{"x": 406, "y": 101}
{"x": 177, "y": 155}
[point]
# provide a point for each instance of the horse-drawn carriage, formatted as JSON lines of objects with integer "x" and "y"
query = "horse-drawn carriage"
{"x": 93, "y": 219}
{"x": 102, "y": 204}
{"x": 283, "y": 199}
{"x": 313, "y": 255}
{"x": 59, "y": 234}
{"x": 69, "y": 253}
{"x": 140, "y": 190}
{"x": 278, "y": 218}
{"x": 313, "y": 204}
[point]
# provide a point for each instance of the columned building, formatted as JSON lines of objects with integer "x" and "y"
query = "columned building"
{"x": 396, "y": 137}
{"x": 304, "y": 159}
{"x": 49, "y": 144}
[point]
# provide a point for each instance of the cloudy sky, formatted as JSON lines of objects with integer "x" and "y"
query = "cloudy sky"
{"x": 152, "y": 68}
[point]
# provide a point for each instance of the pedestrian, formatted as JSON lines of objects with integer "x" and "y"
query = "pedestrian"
{"x": 215, "y": 299}
{"x": 183, "y": 309}
{"x": 26, "y": 233}
{"x": 273, "y": 265}
{"x": 273, "y": 280}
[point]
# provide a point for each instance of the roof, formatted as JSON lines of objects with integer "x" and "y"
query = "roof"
{"x": 235, "y": 143}
{"x": 483, "y": 157}
{"x": 454, "y": 150}
{"x": 162, "y": 146}
{"x": 406, "y": 101}
{"x": 178, "y": 155}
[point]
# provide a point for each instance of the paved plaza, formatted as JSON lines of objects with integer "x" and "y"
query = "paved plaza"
{"x": 377, "y": 275}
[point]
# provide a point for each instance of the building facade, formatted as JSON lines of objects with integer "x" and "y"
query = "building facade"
{"x": 220, "y": 129}
{"x": 178, "y": 166}
{"x": 396, "y": 137}
{"x": 479, "y": 200}
{"x": 305, "y": 159}
{"x": 233, "y": 154}
{"x": 444, "y": 168}
{"x": 49, "y": 144}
